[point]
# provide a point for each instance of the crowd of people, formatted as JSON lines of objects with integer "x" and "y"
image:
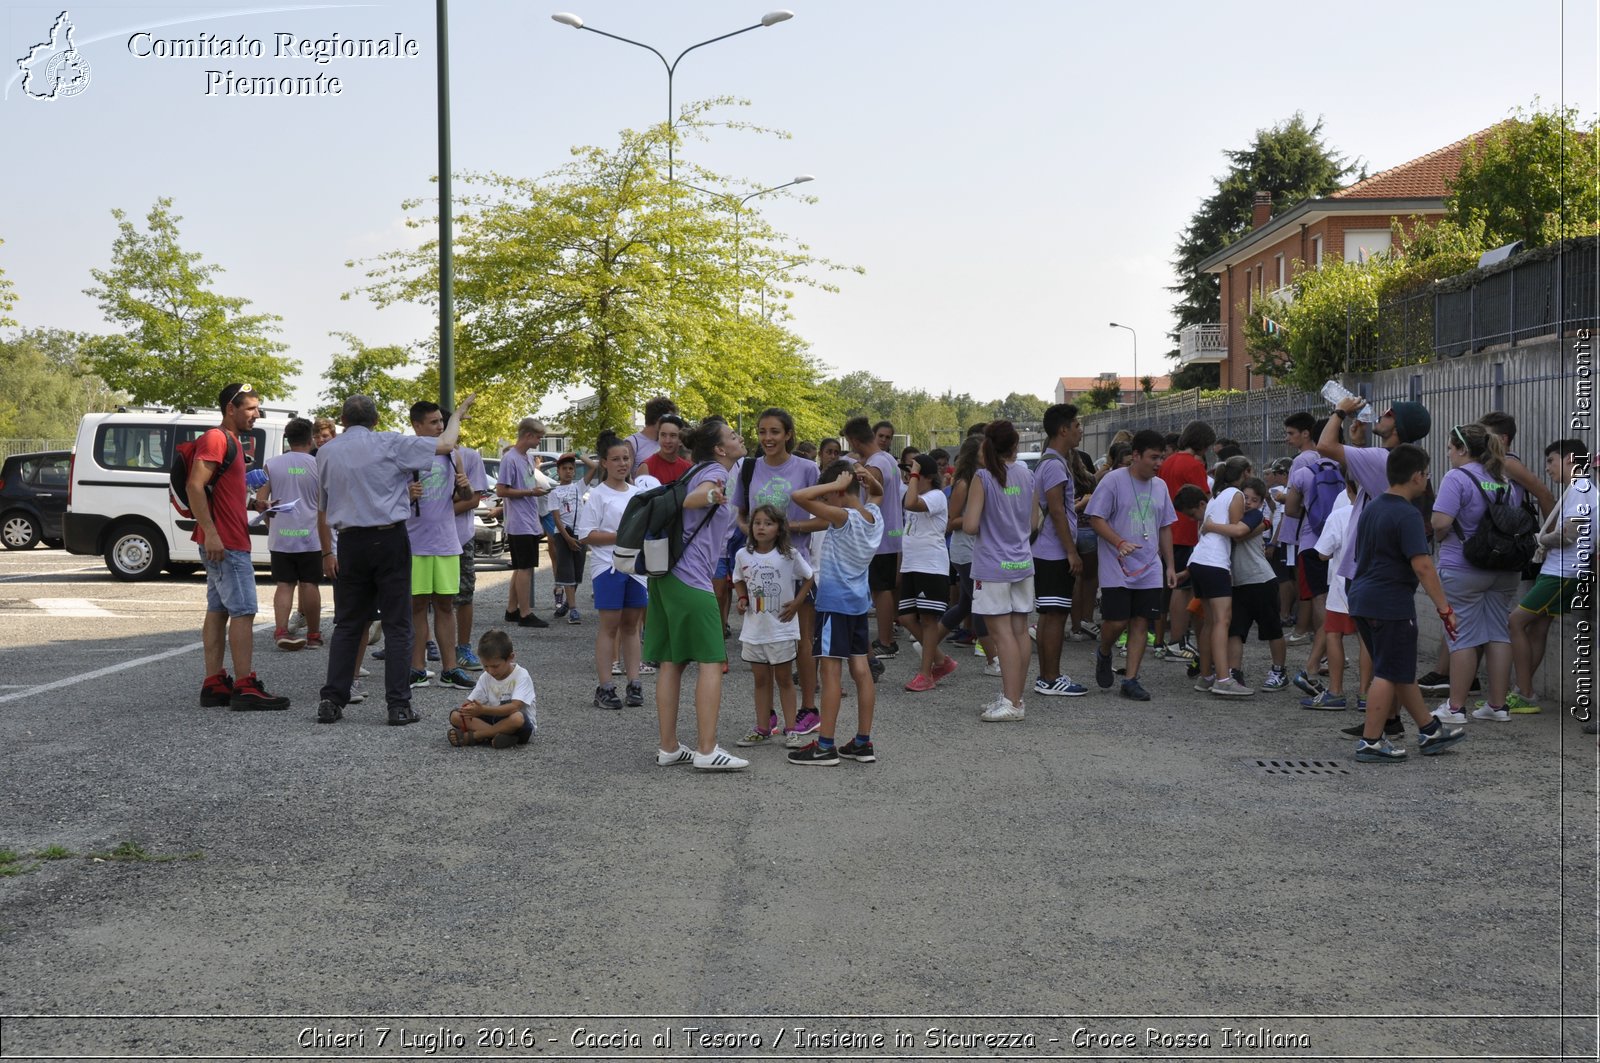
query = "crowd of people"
{"x": 830, "y": 552}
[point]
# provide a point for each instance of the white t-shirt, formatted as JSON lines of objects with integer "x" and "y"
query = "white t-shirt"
{"x": 518, "y": 686}
{"x": 925, "y": 549}
{"x": 602, "y": 511}
{"x": 769, "y": 579}
{"x": 565, "y": 500}
{"x": 1571, "y": 559}
{"x": 1333, "y": 544}
{"x": 1215, "y": 549}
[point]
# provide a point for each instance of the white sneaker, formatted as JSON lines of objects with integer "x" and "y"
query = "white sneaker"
{"x": 1449, "y": 715}
{"x": 358, "y": 694}
{"x": 297, "y": 623}
{"x": 1484, "y": 712}
{"x": 719, "y": 759}
{"x": 683, "y": 755}
{"x": 992, "y": 668}
{"x": 1003, "y": 711}
{"x": 1298, "y": 638}
{"x": 362, "y": 673}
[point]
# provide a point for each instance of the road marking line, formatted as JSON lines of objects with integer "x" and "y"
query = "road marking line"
{"x": 70, "y": 607}
{"x": 111, "y": 669}
{"x": 47, "y": 575}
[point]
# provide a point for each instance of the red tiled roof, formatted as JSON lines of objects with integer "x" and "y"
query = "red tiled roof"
{"x": 1127, "y": 383}
{"x": 1421, "y": 178}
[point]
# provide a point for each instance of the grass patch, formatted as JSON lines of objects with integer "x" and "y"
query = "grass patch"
{"x": 132, "y": 853}
{"x": 11, "y": 864}
{"x": 54, "y": 852}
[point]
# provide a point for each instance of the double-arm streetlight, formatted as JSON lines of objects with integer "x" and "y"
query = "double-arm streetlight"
{"x": 771, "y": 18}
{"x": 738, "y": 217}
{"x": 1136, "y": 387}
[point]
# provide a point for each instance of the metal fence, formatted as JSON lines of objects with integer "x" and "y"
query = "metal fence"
{"x": 9, "y": 447}
{"x": 1254, "y": 418}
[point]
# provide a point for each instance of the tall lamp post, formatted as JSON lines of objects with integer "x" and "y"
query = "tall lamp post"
{"x": 1136, "y": 387}
{"x": 771, "y": 18}
{"x": 738, "y": 212}
{"x": 447, "y": 299}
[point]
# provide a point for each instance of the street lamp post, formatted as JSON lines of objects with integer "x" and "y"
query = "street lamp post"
{"x": 771, "y": 18}
{"x": 1136, "y": 387}
{"x": 738, "y": 213}
{"x": 447, "y": 301}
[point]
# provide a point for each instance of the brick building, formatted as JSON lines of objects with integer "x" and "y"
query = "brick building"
{"x": 1072, "y": 388}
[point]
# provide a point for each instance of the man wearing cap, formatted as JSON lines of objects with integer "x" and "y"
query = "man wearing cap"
{"x": 1405, "y": 422}
{"x": 217, "y": 497}
{"x": 366, "y": 479}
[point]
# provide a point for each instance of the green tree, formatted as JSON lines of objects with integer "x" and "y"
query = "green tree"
{"x": 1531, "y": 178}
{"x": 1101, "y": 397}
{"x": 44, "y": 387}
{"x": 8, "y": 298}
{"x": 1019, "y": 407}
{"x": 372, "y": 371}
{"x": 183, "y": 341}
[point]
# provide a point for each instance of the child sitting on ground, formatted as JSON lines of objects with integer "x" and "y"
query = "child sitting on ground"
{"x": 500, "y": 710}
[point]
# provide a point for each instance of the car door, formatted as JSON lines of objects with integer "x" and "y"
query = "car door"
{"x": 49, "y": 482}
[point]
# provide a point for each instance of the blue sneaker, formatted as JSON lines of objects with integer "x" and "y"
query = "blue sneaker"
{"x": 1441, "y": 740}
{"x": 465, "y": 658}
{"x": 1379, "y": 752}
{"x": 421, "y": 679}
{"x": 1276, "y": 679}
{"x": 1307, "y": 685}
{"x": 1133, "y": 690}
{"x": 1324, "y": 700}
{"x": 1103, "y": 675}
{"x": 457, "y": 678}
{"x": 573, "y": 616}
{"x": 433, "y": 650}
{"x": 377, "y": 654}
{"x": 1059, "y": 687}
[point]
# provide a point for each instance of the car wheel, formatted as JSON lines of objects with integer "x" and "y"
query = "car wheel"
{"x": 135, "y": 552}
{"x": 19, "y": 531}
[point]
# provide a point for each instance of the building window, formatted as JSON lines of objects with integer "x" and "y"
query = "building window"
{"x": 1361, "y": 244}
{"x": 1278, "y": 263}
{"x": 1316, "y": 252}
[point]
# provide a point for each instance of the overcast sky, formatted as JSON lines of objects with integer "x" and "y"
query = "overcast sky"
{"x": 1012, "y": 176}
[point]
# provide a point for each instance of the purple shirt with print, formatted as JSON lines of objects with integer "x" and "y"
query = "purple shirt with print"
{"x": 293, "y": 477}
{"x": 522, "y": 514}
{"x": 699, "y": 560}
{"x": 1137, "y": 510}
{"x": 1458, "y": 498}
{"x": 432, "y": 527}
{"x": 773, "y": 485}
{"x": 1048, "y": 474}
{"x": 894, "y": 520}
{"x": 1001, "y": 553}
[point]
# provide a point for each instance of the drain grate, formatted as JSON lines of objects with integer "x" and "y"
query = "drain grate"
{"x": 1299, "y": 767}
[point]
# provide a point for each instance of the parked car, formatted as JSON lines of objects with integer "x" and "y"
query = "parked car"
{"x": 33, "y": 498}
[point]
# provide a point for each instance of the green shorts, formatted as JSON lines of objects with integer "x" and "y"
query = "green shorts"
{"x": 1551, "y": 596}
{"x": 682, "y": 624}
{"x": 436, "y": 575}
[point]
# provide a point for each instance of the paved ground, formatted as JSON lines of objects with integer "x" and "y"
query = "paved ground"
{"x": 1099, "y": 866}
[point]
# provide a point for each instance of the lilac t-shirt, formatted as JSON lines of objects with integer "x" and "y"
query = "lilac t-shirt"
{"x": 1458, "y": 498}
{"x": 432, "y": 525}
{"x": 522, "y": 514}
{"x": 1301, "y": 474}
{"x": 894, "y": 521}
{"x": 293, "y": 477}
{"x": 1001, "y": 552}
{"x": 1137, "y": 510}
{"x": 699, "y": 560}
{"x": 773, "y": 485}
{"x": 472, "y": 465}
{"x": 1050, "y": 473}
{"x": 1369, "y": 468}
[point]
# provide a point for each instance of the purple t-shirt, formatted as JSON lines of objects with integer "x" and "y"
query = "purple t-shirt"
{"x": 1301, "y": 472}
{"x": 293, "y": 477}
{"x": 432, "y": 525}
{"x": 522, "y": 514}
{"x": 773, "y": 485}
{"x": 1369, "y": 468}
{"x": 699, "y": 560}
{"x": 894, "y": 521}
{"x": 1050, "y": 473}
{"x": 1458, "y": 498}
{"x": 472, "y": 465}
{"x": 1001, "y": 552}
{"x": 1137, "y": 510}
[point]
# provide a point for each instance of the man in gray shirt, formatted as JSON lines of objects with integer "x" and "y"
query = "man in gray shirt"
{"x": 366, "y": 479}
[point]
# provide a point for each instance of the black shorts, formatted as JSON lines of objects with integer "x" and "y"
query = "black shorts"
{"x": 1123, "y": 603}
{"x": 302, "y": 566}
{"x": 1211, "y": 582}
{"x": 884, "y": 573}
{"x": 1256, "y": 604}
{"x": 1052, "y": 585}
{"x": 1180, "y": 558}
{"x": 524, "y": 551}
{"x": 923, "y": 592}
{"x": 839, "y": 635}
{"x": 566, "y": 562}
{"x": 1314, "y": 567}
{"x": 1286, "y": 573}
{"x": 1392, "y": 645}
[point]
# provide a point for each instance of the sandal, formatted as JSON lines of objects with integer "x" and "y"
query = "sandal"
{"x": 458, "y": 737}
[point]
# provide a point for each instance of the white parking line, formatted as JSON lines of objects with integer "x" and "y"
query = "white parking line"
{"x": 57, "y": 572}
{"x": 109, "y": 670}
{"x": 70, "y": 607}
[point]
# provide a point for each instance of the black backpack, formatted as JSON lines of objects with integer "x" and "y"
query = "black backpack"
{"x": 650, "y": 535}
{"x": 183, "y": 459}
{"x": 1505, "y": 538}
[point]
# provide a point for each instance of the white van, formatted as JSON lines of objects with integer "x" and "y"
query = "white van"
{"x": 118, "y": 503}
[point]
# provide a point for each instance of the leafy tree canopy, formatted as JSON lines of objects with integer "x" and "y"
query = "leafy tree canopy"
{"x": 8, "y": 297}
{"x": 44, "y": 387}
{"x": 1531, "y": 178}
{"x": 372, "y": 371}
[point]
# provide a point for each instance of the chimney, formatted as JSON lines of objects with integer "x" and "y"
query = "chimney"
{"x": 1263, "y": 210}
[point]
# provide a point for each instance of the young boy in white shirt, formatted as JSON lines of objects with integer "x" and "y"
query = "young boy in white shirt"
{"x": 500, "y": 710}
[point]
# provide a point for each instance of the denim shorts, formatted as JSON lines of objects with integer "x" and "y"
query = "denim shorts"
{"x": 231, "y": 584}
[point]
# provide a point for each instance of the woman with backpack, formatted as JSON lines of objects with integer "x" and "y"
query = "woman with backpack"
{"x": 1482, "y": 597}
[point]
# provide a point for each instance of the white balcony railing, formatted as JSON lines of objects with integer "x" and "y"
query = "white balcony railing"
{"x": 1202, "y": 343}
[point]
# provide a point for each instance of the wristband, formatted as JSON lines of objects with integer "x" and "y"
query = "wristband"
{"x": 327, "y": 553}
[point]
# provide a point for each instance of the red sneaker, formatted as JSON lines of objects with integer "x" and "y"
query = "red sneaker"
{"x": 287, "y": 641}
{"x": 314, "y": 640}
{"x": 919, "y": 683}
{"x": 942, "y": 670}
{"x": 250, "y": 696}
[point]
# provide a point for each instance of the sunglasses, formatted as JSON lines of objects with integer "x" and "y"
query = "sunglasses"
{"x": 1139, "y": 568}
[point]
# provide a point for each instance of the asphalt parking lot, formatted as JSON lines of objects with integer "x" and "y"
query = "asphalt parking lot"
{"x": 1100, "y": 870}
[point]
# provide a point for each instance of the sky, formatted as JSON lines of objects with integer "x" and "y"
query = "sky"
{"x": 1011, "y": 176}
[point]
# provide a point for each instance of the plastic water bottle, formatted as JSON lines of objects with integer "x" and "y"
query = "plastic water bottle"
{"x": 1336, "y": 393}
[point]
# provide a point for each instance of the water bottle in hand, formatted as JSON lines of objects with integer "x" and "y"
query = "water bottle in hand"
{"x": 1336, "y": 393}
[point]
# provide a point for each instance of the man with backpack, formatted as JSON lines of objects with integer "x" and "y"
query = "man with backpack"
{"x": 215, "y": 486}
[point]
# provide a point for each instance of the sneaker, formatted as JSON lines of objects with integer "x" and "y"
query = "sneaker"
{"x": 1160, "y": 652}
{"x": 875, "y": 665}
{"x": 1079, "y": 636}
{"x": 433, "y": 650}
{"x": 860, "y": 752}
{"x": 920, "y": 683}
{"x": 1379, "y": 752}
{"x": 1434, "y": 683}
{"x": 573, "y": 616}
{"x": 1237, "y": 675}
{"x": 1230, "y": 688}
{"x": 887, "y": 653}
{"x": 1091, "y": 629}
{"x": 297, "y": 622}
{"x": 458, "y": 678}
{"x": 328, "y": 711}
{"x": 1133, "y": 690}
{"x": 616, "y": 668}
{"x": 1122, "y": 641}
{"x": 1204, "y": 683}
{"x": 814, "y": 754}
{"x": 216, "y": 691}
{"x": 1441, "y": 740}
{"x": 682, "y": 755}
{"x": 648, "y": 667}
{"x": 754, "y": 738}
{"x": 794, "y": 740}
{"x": 808, "y": 722}
{"x": 773, "y": 724}
{"x": 468, "y": 660}
{"x": 1298, "y": 638}
{"x": 286, "y": 641}
{"x": 422, "y": 678}
{"x": 606, "y": 698}
{"x": 358, "y": 694}
{"x": 1323, "y": 700}
{"x": 1448, "y": 713}
{"x": 1393, "y": 730}
{"x": 561, "y": 611}
{"x": 379, "y": 654}
{"x": 992, "y": 668}
{"x": 512, "y": 616}
{"x": 961, "y": 638}
{"x": 507, "y": 741}
{"x": 1193, "y": 670}
{"x": 533, "y": 620}
{"x": 719, "y": 759}
{"x": 1060, "y": 687}
{"x": 1033, "y": 632}
{"x": 948, "y": 668}
{"x": 1277, "y": 679}
{"x": 1306, "y": 685}
{"x": 314, "y": 640}
{"x": 363, "y": 673}
{"x": 250, "y": 696}
{"x": 1003, "y": 711}
{"x": 1518, "y": 705}
{"x": 1489, "y": 712}
{"x": 634, "y": 698}
{"x": 977, "y": 649}
{"x": 1102, "y": 670}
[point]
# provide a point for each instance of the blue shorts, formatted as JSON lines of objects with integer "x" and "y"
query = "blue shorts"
{"x": 231, "y": 584}
{"x": 1393, "y": 647}
{"x": 839, "y": 635}
{"x": 618, "y": 590}
{"x": 725, "y": 563}
{"x": 524, "y": 732}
